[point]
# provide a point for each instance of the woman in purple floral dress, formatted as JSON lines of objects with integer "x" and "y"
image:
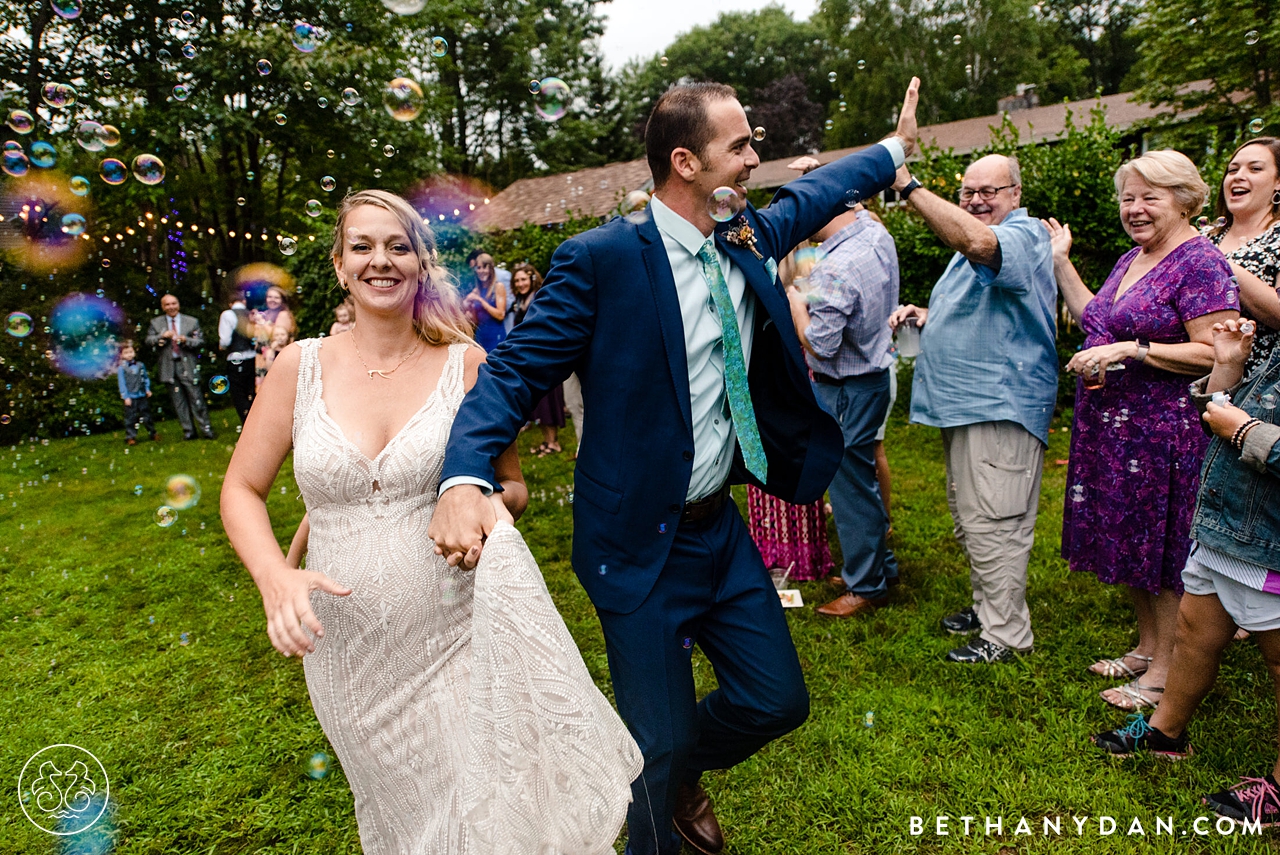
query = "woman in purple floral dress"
{"x": 790, "y": 535}
{"x": 1136, "y": 442}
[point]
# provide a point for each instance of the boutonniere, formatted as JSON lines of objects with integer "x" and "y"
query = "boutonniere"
{"x": 741, "y": 234}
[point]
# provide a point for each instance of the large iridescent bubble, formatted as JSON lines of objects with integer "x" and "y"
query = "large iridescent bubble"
{"x": 43, "y": 154}
{"x": 113, "y": 171}
{"x": 403, "y": 99}
{"x": 305, "y": 36}
{"x": 58, "y": 94}
{"x": 15, "y": 163}
{"x": 67, "y": 9}
{"x": 84, "y": 333}
{"x": 18, "y": 324}
{"x": 91, "y": 136}
{"x": 723, "y": 204}
{"x": 552, "y": 99}
{"x": 20, "y": 121}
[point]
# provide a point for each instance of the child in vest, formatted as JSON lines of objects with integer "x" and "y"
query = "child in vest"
{"x": 135, "y": 389}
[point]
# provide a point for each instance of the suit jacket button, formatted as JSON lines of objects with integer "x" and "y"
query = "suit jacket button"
{"x": 675, "y": 509}
{"x": 688, "y": 455}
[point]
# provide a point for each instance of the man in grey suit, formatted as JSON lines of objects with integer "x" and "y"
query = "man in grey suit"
{"x": 177, "y": 338}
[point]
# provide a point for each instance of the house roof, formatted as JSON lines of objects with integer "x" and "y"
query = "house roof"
{"x": 598, "y": 191}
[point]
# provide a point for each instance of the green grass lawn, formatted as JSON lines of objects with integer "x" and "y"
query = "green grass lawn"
{"x": 207, "y": 742}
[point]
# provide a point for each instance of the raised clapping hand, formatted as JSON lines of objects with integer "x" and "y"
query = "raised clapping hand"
{"x": 1232, "y": 342}
{"x": 286, "y": 598}
{"x": 906, "y": 131}
{"x": 1059, "y": 239}
{"x": 900, "y": 316}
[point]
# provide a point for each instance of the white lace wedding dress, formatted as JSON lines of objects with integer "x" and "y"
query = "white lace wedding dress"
{"x": 458, "y": 705}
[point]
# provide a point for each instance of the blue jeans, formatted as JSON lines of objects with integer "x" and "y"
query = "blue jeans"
{"x": 716, "y": 593}
{"x": 859, "y": 403}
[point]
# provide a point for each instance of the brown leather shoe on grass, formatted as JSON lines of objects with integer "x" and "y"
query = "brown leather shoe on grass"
{"x": 696, "y": 821}
{"x": 851, "y": 605}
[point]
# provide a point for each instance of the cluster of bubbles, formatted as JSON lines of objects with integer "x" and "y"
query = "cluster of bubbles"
{"x": 181, "y": 492}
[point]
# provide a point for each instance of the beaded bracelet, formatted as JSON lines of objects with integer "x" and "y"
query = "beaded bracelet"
{"x": 1237, "y": 439}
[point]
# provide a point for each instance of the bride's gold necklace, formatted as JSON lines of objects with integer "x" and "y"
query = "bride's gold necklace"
{"x": 384, "y": 374}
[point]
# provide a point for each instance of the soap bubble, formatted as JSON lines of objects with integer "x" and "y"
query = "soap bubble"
{"x": 113, "y": 172}
{"x": 1134, "y": 466}
{"x": 165, "y": 516}
{"x": 58, "y": 94}
{"x": 148, "y": 169}
{"x": 350, "y": 97}
{"x": 84, "y": 332}
{"x": 67, "y": 9}
{"x": 758, "y": 134}
{"x": 377, "y": 173}
{"x": 807, "y": 258}
{"x": 181, "y": 492}
{"x": 534, "y": 86}
{"x": 1251, "y": 38}
{"x": 281, "y": 118}
{"x": 288, "y": 246}
{"x": 181, "y": 92}
{"x": 552, "y": 99}
{"x": 241, "y": 201}
{"x": 12, "y": 145}
{"x": 318, "y": 765}
{"x": 956, "y": 39}
{"x": 322, "y": 102}
{"x": 1202, "y": 223}
{"x": 15, "y": 163}
{"x": 219, "y": 384}
{"x": 91, "y": 136}
{"x": 1077, "y": 493}
{"x": 20, "y": 121}
{"x": 264, "y": 67}
{"x": 18, "y": 324}
{"x": 831, "y": 77}
{"x": 164, "y": 58}
{"x": 189, "y": 50}
{"x": 636, "y": 200}
{"x": 1267, "y": 401}
{"x": 439, "y": 46}
{"x": 111, "y": 135}
{"x": 43, "y": 154}
{"x": 73, "y": 224}
{"x": 829, "y": 124}
{"x": 330, "y": 153}
{"x": 662, "y": 61}
{"x": 842, "y": 106}
{"x": 404, "y": 7}
{"x": 389, "y": 150}
{"x": 1256, "y": 126}
{"x": 968, "y": 70}
{"x": 723, "y": 204}
{"x": 137, "y": 491}
{"x": 402, "y": 98}
{"x": 305, "y": 36}
{"x": 188, "y": 17}
{"x": 328, "y": 183}
{"x": 1247, "y": 327}
{"x": 862, "y": 65}
{"x": 313, "y": 207}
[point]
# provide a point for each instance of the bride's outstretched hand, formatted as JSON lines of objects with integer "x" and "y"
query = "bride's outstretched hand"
{"x": 286, "y": 598}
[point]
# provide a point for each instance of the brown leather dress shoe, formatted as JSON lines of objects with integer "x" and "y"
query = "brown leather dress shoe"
{"x": 696, "y": 821}
{"x": 851, "y": 605}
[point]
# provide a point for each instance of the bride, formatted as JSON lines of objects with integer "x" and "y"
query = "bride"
{"x": 456, "y": 701}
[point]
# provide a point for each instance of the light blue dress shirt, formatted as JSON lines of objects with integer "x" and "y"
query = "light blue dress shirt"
{"x": 713, "y": 435}
{"x": 987, "y": 350}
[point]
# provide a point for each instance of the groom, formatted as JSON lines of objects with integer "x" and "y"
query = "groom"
{"x": 694, "y": 378}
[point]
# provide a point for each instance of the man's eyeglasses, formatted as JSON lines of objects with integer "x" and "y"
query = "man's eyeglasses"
{"x": 986, "y": 193}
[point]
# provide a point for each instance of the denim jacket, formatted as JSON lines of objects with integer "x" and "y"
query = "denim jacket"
{"x": 1238, "y": 509}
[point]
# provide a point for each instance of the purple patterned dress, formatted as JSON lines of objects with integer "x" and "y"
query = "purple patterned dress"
{"x": 784, "y": 533}
{"x": 1136, "y": 443}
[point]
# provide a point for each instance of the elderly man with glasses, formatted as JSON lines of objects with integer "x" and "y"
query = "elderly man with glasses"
{"x": 987, "y": 375}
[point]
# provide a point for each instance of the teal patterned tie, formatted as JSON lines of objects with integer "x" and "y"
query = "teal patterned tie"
{"x": 735, "y": 367}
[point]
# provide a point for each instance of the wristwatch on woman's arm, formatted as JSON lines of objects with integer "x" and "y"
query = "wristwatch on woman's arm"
{"x": 1144, "y": 345}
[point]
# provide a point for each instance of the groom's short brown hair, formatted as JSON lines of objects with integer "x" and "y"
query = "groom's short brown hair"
{"x": 679, "y": 120}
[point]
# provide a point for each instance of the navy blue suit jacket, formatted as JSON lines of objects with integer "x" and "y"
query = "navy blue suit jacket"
{"x": 609, "y": 312}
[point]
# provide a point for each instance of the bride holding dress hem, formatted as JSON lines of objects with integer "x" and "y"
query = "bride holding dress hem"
{"x": 456, "y": 701}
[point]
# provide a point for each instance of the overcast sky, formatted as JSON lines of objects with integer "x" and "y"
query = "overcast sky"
{"x": 641, "y": 28}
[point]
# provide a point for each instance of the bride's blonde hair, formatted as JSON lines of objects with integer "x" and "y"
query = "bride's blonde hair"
{"x": 437, "y": 311}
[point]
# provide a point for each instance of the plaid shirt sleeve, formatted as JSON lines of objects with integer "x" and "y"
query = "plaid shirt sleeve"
{"x": 838, "y": 283}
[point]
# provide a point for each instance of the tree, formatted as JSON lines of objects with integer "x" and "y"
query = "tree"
{"x": 1100, "y": 32}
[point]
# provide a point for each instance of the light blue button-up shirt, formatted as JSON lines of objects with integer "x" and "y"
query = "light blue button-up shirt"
{"x": 987, "y": 350}
{"x": 713, "y": 434}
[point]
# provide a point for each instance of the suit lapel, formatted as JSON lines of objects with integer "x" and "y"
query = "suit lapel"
{"x": 663, "y": 283}
{"x": 769, "y": 296}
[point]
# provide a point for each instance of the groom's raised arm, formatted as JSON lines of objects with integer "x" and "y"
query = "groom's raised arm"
{"x": 803, "y": 206}
{"x": 537, "y": 355}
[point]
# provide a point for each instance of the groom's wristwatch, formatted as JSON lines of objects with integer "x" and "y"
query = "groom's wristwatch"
{"x": 911, "y": 186}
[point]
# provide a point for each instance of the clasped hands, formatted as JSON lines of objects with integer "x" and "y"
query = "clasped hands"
{"x": 463, "y": 519}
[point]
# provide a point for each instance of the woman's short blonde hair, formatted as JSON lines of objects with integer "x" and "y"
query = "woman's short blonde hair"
{"x": 437, "y": 311}
{"x": 1170, "y": 170}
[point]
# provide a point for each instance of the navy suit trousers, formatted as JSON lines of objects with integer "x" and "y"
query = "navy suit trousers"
{"x": 713, "y": 592}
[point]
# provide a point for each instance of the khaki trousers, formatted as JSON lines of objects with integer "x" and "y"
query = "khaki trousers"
{"x": 993, "y": 490}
